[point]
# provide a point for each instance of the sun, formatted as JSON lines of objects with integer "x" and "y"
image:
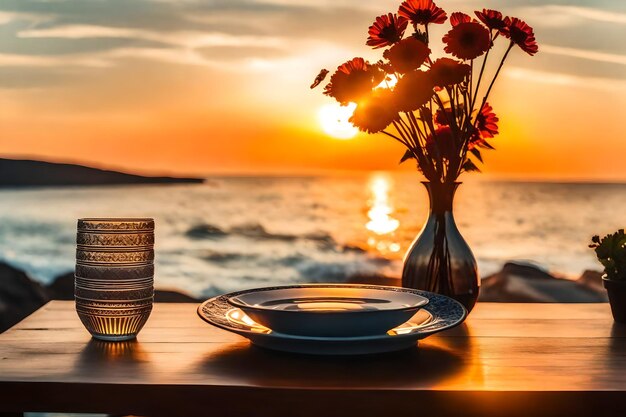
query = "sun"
{"x": 334, "y": 120}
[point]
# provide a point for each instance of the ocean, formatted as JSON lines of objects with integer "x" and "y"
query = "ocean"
{"x": 240, "y": 232}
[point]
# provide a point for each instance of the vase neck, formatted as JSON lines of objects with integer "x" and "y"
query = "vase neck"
{"x": 441, "y": 196}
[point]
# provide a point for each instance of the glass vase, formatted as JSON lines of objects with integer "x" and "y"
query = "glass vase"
{"x": 439, "y": 259}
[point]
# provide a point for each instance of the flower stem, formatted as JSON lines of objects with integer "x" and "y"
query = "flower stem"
{"x": 480, "y": 77}
{"x": 496, "y": 75}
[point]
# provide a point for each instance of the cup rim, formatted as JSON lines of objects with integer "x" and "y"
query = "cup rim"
{"x": 116, "y": 219}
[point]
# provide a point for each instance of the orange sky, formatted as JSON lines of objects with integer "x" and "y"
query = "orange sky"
{"x": 224, "y": 88}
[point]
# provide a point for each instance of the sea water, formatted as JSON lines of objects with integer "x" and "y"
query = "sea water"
{"x": 239, "y": 232}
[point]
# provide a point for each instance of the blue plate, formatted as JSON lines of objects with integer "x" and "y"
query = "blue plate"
{"x": 329, "y": 310}
{"x": 441, "y": 313}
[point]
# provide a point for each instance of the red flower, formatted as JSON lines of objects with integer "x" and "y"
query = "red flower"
{"x": 487, "y": 122}
{"x": 475, "y": 141}
{"x": 467, "y": 40}
{"x": 386, "y": 30}
{"x": 374, "y": 113}
{"x": 458, "y": 17}
{"x": 413, "y": 91}
{"x": 422, "y": 12}
{"x": 492, "y": 19}
{"x": 353, "y": 80}
{"x": 407, "y": 55}
{"x": 384, "y": 66}
{"x": 443, "y": 118}
{"x": 441, "y": 143}
{"x": 446, "y": 71}
{"x": 521, "y": 34}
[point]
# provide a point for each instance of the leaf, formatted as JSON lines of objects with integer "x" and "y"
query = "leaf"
{"x": 470, "y": 166}
{"x": 477, "y": 154}
{"x": 611, "y": 252}
{"x": 421, "y": 36}
{"x": 320, "y": 77}
{"x": 485, "y": 144}
{"x": 407, "y": 155}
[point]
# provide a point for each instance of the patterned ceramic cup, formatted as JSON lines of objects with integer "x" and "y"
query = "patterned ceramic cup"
{"x": 110, "y": 240}
{"x": 102, "y": 257}
{"x": 114, "y": 277}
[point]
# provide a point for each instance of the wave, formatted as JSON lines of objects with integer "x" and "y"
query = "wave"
{"x": 226, "y": 257}
{"x": 256, "y": 231}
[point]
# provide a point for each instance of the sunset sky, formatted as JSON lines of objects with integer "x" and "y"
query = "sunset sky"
{"x": 201, "y": 87}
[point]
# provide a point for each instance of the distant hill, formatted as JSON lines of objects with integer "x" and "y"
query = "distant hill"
{"x": 18, "y": 173}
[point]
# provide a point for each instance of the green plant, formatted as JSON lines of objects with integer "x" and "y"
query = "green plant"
{"x": 611, "y": 252}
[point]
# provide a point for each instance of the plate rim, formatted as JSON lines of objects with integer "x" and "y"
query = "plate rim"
{"x": 416, "y": 335}
{"x": 304, "y": 338}
{"x": 237, "y": 303}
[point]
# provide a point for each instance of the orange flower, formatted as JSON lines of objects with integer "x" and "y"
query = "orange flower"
{"x": 492, "y": 19}
{"x": 446, "y": 71}
{"x": 386, "y": 30}
{"x": 375, "y": 112}
{"x": 407, "y": 55}
{"x": 422, "y": 12}
{"x": 521, "y": 34}
{"x": 487, "y": 122}
{"x": 458, "y": 17}
{"x": 353, "y": 80}
{"x": 413, "y": 91}
{"x": 467, "y": 40}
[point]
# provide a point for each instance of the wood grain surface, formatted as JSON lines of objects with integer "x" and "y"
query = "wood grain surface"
{"x": 506, "y": 360}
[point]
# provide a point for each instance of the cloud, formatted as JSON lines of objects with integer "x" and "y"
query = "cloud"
{"x": 263, "y": 35}
{"x": 554, "y": 15}
{"x": 228, "y": 53}
{"x": 561, "y": 79}
{"x": 190, "y": 39}
{"x": 16, "y": 60}
{"x": 588, "y": 13}
{"x": 99, "y": 33}
{"x": 77, "y": 32}
{"x": 584, "y": 54}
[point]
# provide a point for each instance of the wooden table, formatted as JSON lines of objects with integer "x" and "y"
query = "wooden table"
{"x": 506, "y": 360}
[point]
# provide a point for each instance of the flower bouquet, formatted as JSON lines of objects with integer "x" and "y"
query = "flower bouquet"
{"x": 438, "y": 109}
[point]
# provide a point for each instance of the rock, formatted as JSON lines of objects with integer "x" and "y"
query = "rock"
{"x": 173, "y": 296}
{"x": 19, "y": 296}
{"x": 373, "y": 279}
{"x": 527, "y": 270}
{"x": 526, "y": 283}
{"x": 353, "y": 249}
{"x": 516, "y": 282}
{"x": 62, "y": 288}
{"x": 205, "y": 231}
{"x": 592, "y": 279}
{"x": 225, "y": 257}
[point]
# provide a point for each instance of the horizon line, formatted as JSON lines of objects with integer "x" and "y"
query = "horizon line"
{"x": 312, "y": 173}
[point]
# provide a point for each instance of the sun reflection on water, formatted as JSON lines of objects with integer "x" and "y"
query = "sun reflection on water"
{"x": 380, "y": 211}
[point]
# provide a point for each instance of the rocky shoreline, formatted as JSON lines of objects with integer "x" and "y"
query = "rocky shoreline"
{"x": 29, "y": 173}
{"x": 21, "y": 296}
{"x": 515, "y": 283}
